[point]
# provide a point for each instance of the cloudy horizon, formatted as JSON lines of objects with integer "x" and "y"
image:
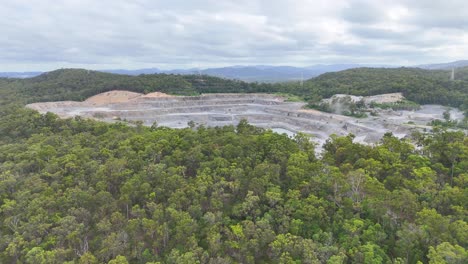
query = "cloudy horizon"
{"x": 45, "y": 35}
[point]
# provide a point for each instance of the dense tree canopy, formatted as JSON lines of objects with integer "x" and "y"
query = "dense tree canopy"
{"x": 81, "y": 191}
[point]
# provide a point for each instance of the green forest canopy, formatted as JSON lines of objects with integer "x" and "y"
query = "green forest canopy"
{"x": 82, "y": 191}
{"x": 92, "y": 192}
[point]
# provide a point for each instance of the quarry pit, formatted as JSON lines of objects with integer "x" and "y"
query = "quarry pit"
{"x": 263, "y": 110}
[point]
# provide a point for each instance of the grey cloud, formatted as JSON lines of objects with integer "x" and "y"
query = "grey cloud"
{"x": 362, "y": 12}
{"x": 209, "y": 32}
{"x": 415, "y": 38}
{"x": 451, "y": 14}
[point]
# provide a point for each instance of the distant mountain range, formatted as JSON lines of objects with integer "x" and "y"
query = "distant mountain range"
{"x": 259, "y": 73}
{"x": 445, "y": 66}
{"x": 19, "y": 74}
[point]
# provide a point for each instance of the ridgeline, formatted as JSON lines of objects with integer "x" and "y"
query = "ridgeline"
{"x": 418, "y": 85}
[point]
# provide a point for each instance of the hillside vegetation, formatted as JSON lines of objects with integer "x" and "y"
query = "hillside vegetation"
{"x": 91, "y": 192}
{"x": 76, "y": 84}
{"x": 81, "y": 191}
{"x": 421, "y": 86}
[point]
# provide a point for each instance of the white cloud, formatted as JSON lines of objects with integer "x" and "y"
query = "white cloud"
{"x": 46, "y": 34}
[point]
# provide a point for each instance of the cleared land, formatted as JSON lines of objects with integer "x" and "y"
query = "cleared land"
{"x": 263, "y": 110}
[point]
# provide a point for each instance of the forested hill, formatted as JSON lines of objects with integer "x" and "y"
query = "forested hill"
{"x": 421, "y": 86}
{"x": 78, "y": 84}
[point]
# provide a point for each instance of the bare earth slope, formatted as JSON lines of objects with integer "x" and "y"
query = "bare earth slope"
{"x": 112, "y": 97}
{"x": 263, "y": 110}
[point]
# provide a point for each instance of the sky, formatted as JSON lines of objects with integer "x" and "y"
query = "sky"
{"x": 169, "y": 34}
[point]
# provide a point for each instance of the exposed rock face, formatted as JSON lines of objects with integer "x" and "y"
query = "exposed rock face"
{"x": 263, "y": 110}
{"x": 384, "y": 98}
{"x": 380, "y": 98}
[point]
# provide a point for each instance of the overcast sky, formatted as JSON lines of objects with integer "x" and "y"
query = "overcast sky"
{"x": 110, "y": 34}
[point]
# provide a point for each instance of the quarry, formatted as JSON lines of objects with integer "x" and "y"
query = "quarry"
{"x": 263, "y": 110}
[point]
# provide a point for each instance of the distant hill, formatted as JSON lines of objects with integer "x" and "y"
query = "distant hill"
{"x": 261, "y": 73}
{"x": 133, "y": 72}
{"x": 445, "y": 66}
{"x": 258, "y": 73}
{"x": 19, "y": 74}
